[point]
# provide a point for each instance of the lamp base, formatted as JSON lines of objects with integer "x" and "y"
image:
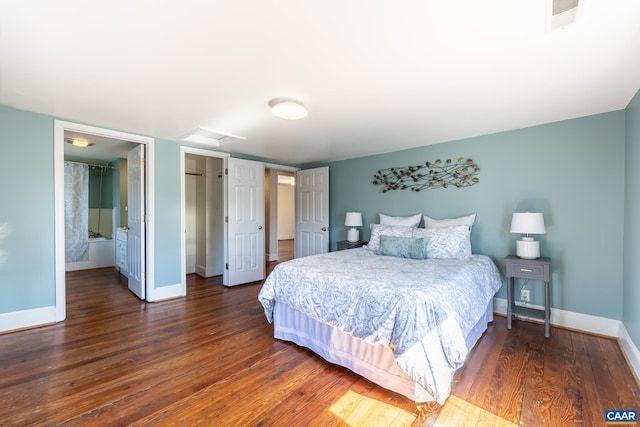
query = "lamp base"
{"x": 353, "y": 235}
{"x": 527, "y": 248}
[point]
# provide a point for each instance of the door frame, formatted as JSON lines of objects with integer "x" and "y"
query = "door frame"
{"x": 60, "y": 127}
{"x": 184, "y": 150}
{"x": 272, "y": 225}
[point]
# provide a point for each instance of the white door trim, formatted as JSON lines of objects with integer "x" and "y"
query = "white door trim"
{"x": 58, "y": 175}
{"x": 183, "y": 212}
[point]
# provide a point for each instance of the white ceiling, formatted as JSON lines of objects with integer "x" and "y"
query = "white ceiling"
{"x": 103, "y": 150}
{"x": 376, "y": 76}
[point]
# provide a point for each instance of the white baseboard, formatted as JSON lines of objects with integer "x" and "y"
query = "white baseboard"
{"x": 168, "y": 292}
{"x": 630, "y": 349}
{"x": 204, "y": 272}
{"x": 587, "y": 323}
{"x": 27, "y": 318}
{"x": 271, "y": 257}
{"x": 571, "y": 320}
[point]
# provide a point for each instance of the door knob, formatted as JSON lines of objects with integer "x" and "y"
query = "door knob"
{"x": 325, "y": 228}
{"x": 259, "y": 227}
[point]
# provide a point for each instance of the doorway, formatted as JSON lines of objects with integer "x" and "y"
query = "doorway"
{"x": 203, "y": 210}
{"x": 280, "y": 189}
{"x": 107, "y": 140}
{"x": 204, "y": 215}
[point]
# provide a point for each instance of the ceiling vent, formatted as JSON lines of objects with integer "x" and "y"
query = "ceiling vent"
{"x": 210, "y": 137}
{"x": 563, "y": 13}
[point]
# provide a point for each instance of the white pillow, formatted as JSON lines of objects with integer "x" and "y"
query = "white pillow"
{"x": 450, "y": 222}
{"x": 446, "y": 242}
{"x": 378, "y": 230}
{"x": 404, "y": 221}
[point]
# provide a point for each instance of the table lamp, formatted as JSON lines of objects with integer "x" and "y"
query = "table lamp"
{"x": 527, "y": 223}
{"x": 353, "y": 219}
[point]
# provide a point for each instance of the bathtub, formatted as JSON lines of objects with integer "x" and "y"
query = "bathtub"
{"x": 101, "y": 254}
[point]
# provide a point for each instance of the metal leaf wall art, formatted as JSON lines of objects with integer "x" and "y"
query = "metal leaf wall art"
{"x": 438, "y": 174}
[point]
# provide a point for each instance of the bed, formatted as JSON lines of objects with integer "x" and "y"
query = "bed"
{"x": 405, "y": 324}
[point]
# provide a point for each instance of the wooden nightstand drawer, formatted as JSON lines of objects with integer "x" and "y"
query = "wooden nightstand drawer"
{"x": 528, "y": 269}
{"x": 525, "y": 270}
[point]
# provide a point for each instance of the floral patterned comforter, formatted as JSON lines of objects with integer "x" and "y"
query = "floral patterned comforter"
{"x": 421, "y": 309}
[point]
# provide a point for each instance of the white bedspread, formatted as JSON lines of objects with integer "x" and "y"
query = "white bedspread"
{"x": 421, "y": 309}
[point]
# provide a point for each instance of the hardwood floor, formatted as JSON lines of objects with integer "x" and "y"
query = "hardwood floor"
{"x": 211, "y": 359}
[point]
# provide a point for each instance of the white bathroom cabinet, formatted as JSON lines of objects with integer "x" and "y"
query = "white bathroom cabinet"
{"x": 121, "y": 250}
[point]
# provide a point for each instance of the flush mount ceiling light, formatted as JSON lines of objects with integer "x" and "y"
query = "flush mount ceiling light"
{"x": 76, "y": 142}
{"x": 288, "y": 108}
{"x": 563, "y": 13}
{"x": 208, "y": 136}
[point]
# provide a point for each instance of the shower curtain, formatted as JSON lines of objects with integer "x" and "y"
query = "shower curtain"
{"x": 76, "y": 211}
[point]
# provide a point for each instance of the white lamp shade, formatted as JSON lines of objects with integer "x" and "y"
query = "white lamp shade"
{"x": 527, "y": 223}
{"x": 353, "y": 219}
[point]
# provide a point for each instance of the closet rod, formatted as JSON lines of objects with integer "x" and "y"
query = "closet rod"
{"x": 89, "y": 164}
{"x": 219, "y": 173}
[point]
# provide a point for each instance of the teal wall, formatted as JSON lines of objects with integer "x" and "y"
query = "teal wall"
{"x": 571, "y": 171}
{"x": 27, "y": 266}
{"x": 167, "y": 208}
{"x": 99, "y": 198}
{"x": 631, "y": 286}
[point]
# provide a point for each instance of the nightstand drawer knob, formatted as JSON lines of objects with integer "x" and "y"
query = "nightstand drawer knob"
{"x": 528, "y": 270}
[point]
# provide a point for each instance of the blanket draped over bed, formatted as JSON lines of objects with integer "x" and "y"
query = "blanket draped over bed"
{"x": 421, "y": 309}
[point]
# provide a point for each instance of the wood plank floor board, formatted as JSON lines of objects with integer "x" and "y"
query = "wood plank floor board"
{"x": 626, "y": 386}
{"x": 295, "y": 407}
{"x": 509, "y": 377}
{"x": 211, "y": 359}
{"x": 473, "y": 364}
{"x": 560, "y": 383}
{"x": 534, "y": 386}
{"x": 480, "y": 385}
{"x": 573, "y": 380}
{"x": 607, "y": 391}
{"x": 592, "y": 410}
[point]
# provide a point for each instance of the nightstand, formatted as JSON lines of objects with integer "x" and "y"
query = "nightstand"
{"x": 345, "y": 244}
{"x": 536, "y": 269}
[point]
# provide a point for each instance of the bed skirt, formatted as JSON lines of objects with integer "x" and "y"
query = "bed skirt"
{"x": 374, "y": 362}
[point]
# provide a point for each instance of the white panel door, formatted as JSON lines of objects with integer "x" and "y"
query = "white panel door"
{"x": 312, "y": 212}
{"x": 136, "y": 215}
{"x": 245, "y": 192}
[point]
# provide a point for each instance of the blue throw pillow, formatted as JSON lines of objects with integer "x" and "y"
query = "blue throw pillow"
{"x": 403, "y": 247}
